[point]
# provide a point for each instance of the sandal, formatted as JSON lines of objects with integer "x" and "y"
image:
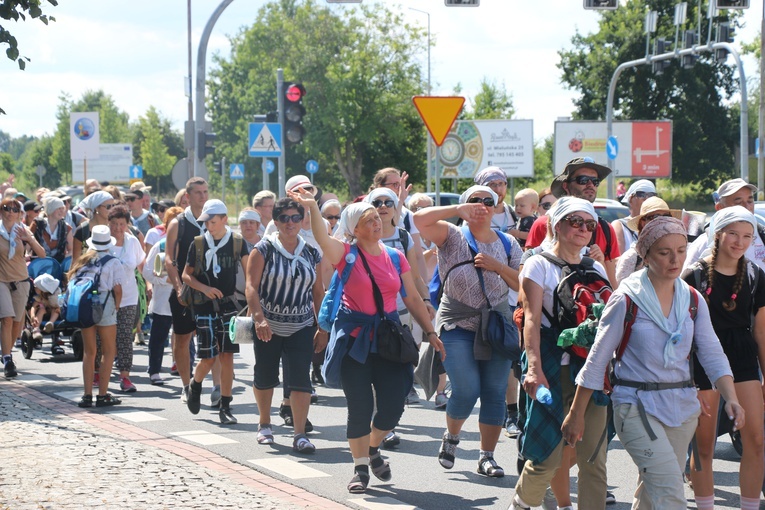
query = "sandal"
{"x": 489, "y": 467}
{"x": 107, "y": 400}
{"x": 301, "y": 444}
{"x": 359, "y": 483}
{"x": 265, "y": 436}
{"x": 85, "y": 401}
{"x": 380, "y": 467}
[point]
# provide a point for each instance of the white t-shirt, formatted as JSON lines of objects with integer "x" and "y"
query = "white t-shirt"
{"x": 755, "y": 253}
{"x": 503, "y": 221}
{"x": 130, "y": 254}
{"x": 412, "y": 227}
{"x": 161, "y": 287}
{"x": 154, "y": 235}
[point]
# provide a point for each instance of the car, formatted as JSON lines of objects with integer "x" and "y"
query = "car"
{"x": 77, "y": 193}
{"x": 610, "y": 210}
{"x": 446, "y": 198}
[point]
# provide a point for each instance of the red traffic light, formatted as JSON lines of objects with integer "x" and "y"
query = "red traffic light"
{"x": 294, "y": 92}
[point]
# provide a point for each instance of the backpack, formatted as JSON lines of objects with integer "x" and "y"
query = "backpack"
{"x": 581, "y": 286}
{"x": 606, "y": 228}
{"x": 199, "y": 248}
{"x": 334, "y": 294}
{"x": 82, "y": 305}
{"x": 436, "y": 284}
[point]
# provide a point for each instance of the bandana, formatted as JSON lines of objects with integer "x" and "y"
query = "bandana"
{"x": 296, "y": 258}
{"x": 349, "y": 219}
{"x": 330, "y": 203}
{"x": 475, "y": 189}
{"x": 10, "y": 237}
{"x": 211, "y": 256}
{"x": 191, "y": 219}
{"x": 641, "y": 185}
{"x": 727, "y": 216}
{"x": 382, "y": 193}
{"x": 249, "y": 215}
{"x": 568, "y": 205}
{"x": 95, "y": 199}
{"x": 655, "y": 230}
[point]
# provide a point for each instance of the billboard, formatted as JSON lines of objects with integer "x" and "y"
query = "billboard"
{"x": 645, "y": 147}
{"x": 113, "y": 164}
{"x": 472, "y": 145}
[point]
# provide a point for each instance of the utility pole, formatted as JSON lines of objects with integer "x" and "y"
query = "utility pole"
{"x": 190, "y": 124}
{"x": 282, "y": 169}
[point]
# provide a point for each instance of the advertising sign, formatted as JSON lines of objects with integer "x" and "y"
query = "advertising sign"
{"x": 83, "y": 135}
{"x": 472, "y": 145}
{"x": 112, "y": 166}
{"x": 644, "y": 148}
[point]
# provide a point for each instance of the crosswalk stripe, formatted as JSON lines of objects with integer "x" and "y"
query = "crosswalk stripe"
{"x": 138, "y": 416}
{"x": 203, "y": 437}
{"x": 383, "y": 503}
{"x": 289, "y": 468}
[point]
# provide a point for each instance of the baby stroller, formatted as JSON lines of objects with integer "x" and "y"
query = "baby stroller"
{"x": 29, "y": 340}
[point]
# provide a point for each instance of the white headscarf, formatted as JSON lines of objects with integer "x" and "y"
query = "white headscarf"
{"x": 641, "y": 185}
{"x": 349, "y": 219}
{"x": 567, "y": 205}
{"x": 475, "y": 189}
{"x": 725, "y": 217}
{"x": 249, "y": 214}
{"x": 329, "y": 203}
{"x": 382, "y": 193}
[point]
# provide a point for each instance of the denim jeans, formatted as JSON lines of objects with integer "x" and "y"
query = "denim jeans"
{"x": 160, "y": 330}
{"x": 472, "y": 379}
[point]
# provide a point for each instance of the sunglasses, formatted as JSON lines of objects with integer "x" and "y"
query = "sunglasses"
{"x": 8, "y": 208}
{"x": 161, "y": 209}
{"x": 285, "y": 218}
{"x": 332, "y": 217}
{"x": 582, "y": 180}
{"x": 108, "y": 206}
{"x": 657, "y": 215}
{"x": 546, "y": 205}
{"x": 487, "y": 201}
{"x": 387, "y": 203}
{"x": 644, "y": 194}
{"x": 131, "y": 199}
{"x": 578, "y": 221}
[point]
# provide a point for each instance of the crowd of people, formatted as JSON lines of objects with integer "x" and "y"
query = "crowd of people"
{"x": 342, "y": 294}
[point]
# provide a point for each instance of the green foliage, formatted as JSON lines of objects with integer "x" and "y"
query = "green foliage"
{"x": 692, "y": 98}
{"x": 491, "y": 102}
{"x": 360, "y": 72}
{"x": 157, "y": 147}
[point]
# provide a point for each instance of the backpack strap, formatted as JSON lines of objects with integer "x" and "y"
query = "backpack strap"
{"x": 606, "y": 228}
{"x": 199, "y": 248}
{"x": 403, "y": 237}
{"x": 396, "y": 259}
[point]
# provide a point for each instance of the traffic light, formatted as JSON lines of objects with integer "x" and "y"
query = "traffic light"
{"x": 601, "y": 5}
{"x": 293, "y": 111}
{"x": 217, "y": 167}
{"x": 660, "y": 46}
{"x": 205, "y": 145}
{"x": 732, "y": 4}
{"x": 689, "y": 41}
{"x": 724, "y": 34}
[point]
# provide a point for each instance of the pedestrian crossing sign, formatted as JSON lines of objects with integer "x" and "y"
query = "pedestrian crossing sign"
{"x": 265, "y": 140}
{"x": 236, "y": 172}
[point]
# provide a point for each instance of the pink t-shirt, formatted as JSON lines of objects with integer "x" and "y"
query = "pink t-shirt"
{"x": 357, "y": 293}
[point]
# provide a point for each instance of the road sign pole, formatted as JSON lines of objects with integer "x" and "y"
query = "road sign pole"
{"x": 283, "y": 156}
{"x": 236, "y": 194}
{"x": 264, "y": 166}
{"x": 437, "y": 176}
{"x": 223, "y": 179}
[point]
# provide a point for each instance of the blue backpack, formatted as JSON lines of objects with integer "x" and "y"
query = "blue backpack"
{"x": 334, "y": 295}
{"x": 82, "y": 305}
{"x": 436, "y": 285}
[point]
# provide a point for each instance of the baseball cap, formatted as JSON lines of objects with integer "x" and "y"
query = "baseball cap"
{"x": 300, "y": 181}
{"x": 211, "y": 208}
{"x": 730, "y": 187}
{"x": 140, "y": 186}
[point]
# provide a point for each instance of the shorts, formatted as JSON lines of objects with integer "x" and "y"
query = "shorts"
{"x": 109, "y": 317}
{"x": 295, "y": 351}
{"x": 741, "y": 350}
{"x": 183, "y": 319}
{"x": 212, "y": 335}
{"x": 13, "y": 303}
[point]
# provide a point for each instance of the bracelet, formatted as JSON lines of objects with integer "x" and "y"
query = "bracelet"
{"x": 426, "y": 299}
{"x": 431, "y": 333}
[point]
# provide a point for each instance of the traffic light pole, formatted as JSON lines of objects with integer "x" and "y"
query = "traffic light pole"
{"x": 282, "y": 166}
{"x": 744, "y": 140}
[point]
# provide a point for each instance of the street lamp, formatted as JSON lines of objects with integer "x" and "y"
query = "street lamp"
{"x": 427, "y": 172}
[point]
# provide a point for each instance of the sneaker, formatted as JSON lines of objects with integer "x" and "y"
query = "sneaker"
{"x": 517, "y": 504}
{"x": 185, "y": 395}
{"x": 139, "y": 340}
{"x": 174, "y": 369}
{"x": 127, "y": 386}
{"x": 215, "y": 397}
{"x": 10, "y": 369}
{"x": 226, "y": 418}
{"x": 96, "y": 379}
{"x": 549, "y": 502}
{"x": 487, "y": 466}
{"x": 107, "y": 400}
{"x": 285, "y": 412}
{"x": 610, "y": 498}
{"x": 391, "y": 440}
{"x": 156, "y": 380}
{"x": 301, "y": 444}
{"x": 85, "y": 401}
{"x": 448, "y": 451}
{"x": 441, "y": 401}
{"x": 314, "y": 397}
{"x": 56, "y": 349}
{"x": 48, "y": 328}
{"x": 511, "y": 427}
{"x": 413, "y": 397}
{"x": 18, "y": 343}
{"x": 265, "y": 435}
{"x": 194, "y": 399}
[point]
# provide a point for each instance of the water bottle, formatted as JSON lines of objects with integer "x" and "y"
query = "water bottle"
{"x": 96, "y": 298}
{"x": 61, "y": 300}
{"x": 543, "y": 395}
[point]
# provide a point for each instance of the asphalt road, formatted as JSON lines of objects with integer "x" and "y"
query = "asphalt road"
{"x": 418, "y": 480}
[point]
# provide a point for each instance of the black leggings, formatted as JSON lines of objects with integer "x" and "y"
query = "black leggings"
{"x": 391, "y": 382}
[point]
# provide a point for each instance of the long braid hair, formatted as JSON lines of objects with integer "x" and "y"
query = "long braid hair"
{"x": 730, "y": 303}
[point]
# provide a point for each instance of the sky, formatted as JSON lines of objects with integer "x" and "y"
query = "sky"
{"x": 136, "y": 51}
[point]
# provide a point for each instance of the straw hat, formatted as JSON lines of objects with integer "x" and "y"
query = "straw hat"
{"x": 651, "y": 207}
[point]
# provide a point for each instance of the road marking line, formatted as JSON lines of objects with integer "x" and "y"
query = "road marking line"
{"x": 384, "y": 503}
{"x": 138, "y": 416}
{"x": 35, "y": 379}
{"x": 203, "y": 437}
{"x": 289, "y": 468}
{"x": 73, "y": 395}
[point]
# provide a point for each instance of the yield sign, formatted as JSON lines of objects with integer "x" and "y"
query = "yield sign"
{"x": 438, "y": 113}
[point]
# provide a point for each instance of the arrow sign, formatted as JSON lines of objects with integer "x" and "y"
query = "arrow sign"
{"x": 236, "y": 172}
{"x": 612, "y": 147}
{"x": 438, "y": 113}
{"x": 312, "y": 166}
{"x": 136, "y": 172}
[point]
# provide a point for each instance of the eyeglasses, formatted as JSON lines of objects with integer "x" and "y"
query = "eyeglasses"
{"x": 8, "y": 208}
{"x": 578, "y": 221}
{"x": 285, "y": 218}
{"x": 396, "y": 185}
{"x": 546, "y": 205}
{"x": 387, "y": 203}
{"x": 582, "y": 180}
{"x": 657, "y": 215}
{"x": 332, "y": 217}
{"x": 487, "y": 201}
{"x": 644, "y": 194}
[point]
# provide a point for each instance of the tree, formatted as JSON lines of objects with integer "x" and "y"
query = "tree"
{"x": 692, "y": 98}
{"x": 153, "y": 151}
{"x": 491, "y": 102}
{"x": 360, "y": 72}
{"x": 15, "y": 10}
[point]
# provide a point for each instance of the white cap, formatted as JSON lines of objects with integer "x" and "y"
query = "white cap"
{"x": 47, "y": 283}
{"x": 211, "y": 208}
{"x": 730, "y": 187}
{"x": 299, "y": 181}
